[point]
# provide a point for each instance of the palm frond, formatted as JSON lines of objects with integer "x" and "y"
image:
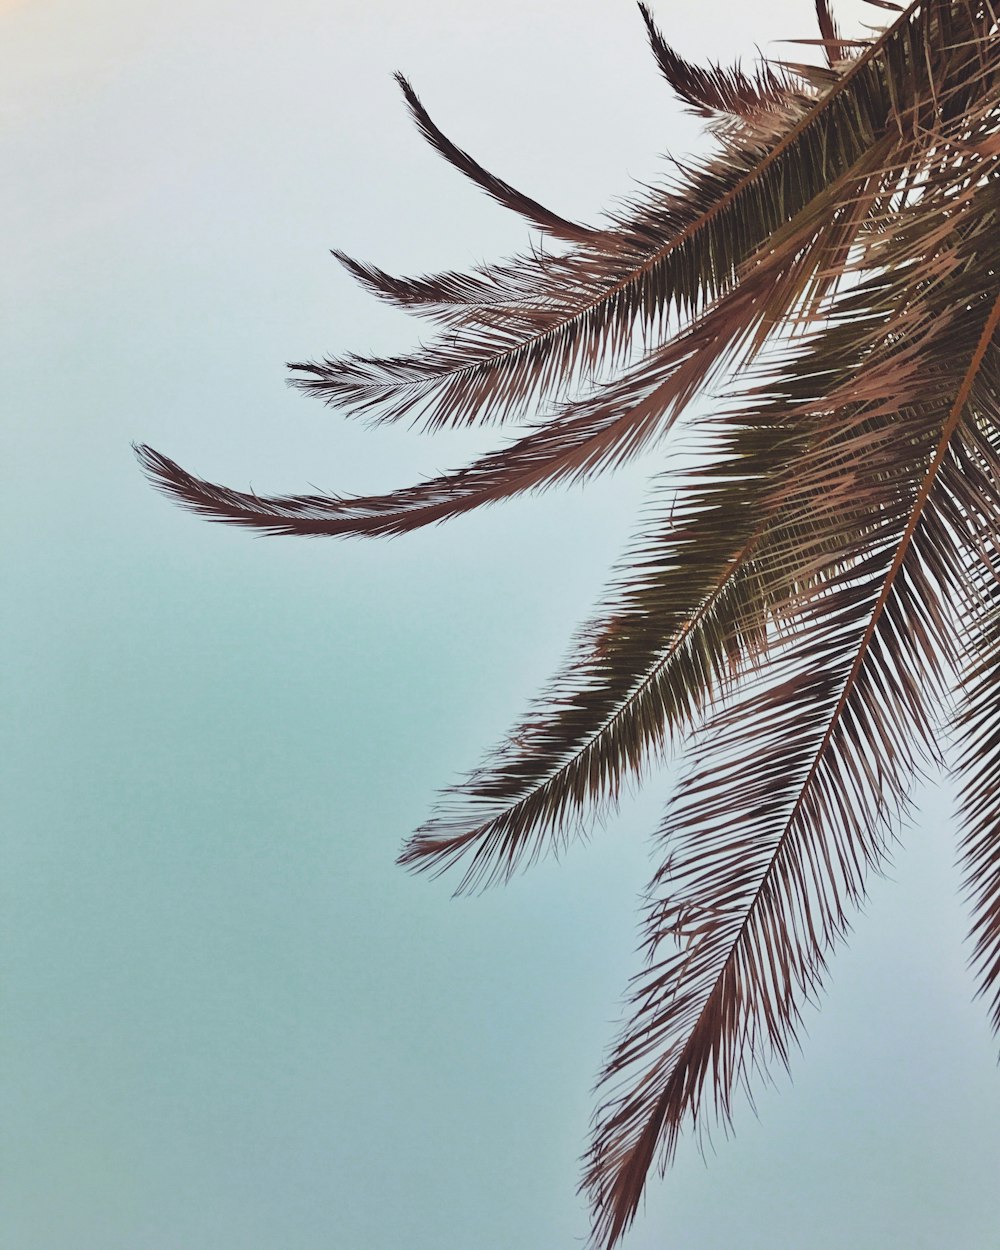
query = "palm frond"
{"x": 483, "y": 296}
{"x": 678, "y": 249}
{"x": 808, "y": 602}
{"x": 695, "y": 598}
{"x": 979, "y": 764}
{"x": 620, "y": 420}
{"x": 617, "y": 422}
{"x": 831, "y": 41}
{"x": 792, "y": 795}
{"x": 713, "y": 90}
{"x": 977, "y": 493}
{"x": 504, "y": 194}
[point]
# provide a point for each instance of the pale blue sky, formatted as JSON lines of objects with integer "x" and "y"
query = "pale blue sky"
{"x": 230, "y": 1022}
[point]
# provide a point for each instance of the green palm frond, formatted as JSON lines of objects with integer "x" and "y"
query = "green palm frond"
{"x": 811, "y": 607}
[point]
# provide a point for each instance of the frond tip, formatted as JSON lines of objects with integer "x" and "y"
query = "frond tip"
{"x": 807, "y": 603}
{"x": 713, "y": 90}
{"x": 502, "y": 192}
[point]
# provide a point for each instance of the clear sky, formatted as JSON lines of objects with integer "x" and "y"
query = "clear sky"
{"x": 229, "y": 1021}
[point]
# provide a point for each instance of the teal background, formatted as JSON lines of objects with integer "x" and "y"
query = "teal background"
{"x": 229, "y": 1021}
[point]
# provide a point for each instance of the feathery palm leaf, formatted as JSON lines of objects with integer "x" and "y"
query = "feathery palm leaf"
{"x": 505, "y": 195}
{"x": 812, "y": 606}
{"x": 713, "y": 90}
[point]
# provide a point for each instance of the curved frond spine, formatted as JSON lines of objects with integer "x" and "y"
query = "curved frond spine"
{"x": 618, "y": 422}
{"x": 487, "y": 295}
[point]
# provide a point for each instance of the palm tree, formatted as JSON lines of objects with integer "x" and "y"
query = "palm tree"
{"x": 816, "y": 607}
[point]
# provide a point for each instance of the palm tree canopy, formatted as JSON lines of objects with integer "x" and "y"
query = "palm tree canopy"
{"x": 816, "y": 608}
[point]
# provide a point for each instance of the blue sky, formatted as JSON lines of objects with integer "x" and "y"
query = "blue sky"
{"x": 230, "y": 1022}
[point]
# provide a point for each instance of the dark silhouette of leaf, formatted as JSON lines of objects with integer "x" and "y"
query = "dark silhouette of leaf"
{"x": 715, "y": 90}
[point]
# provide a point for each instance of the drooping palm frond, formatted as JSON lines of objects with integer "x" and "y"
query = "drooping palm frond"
{"x": 793, "y": 791}
{"x": 487, "y": 295}
{"x": 713, "y": 90}
{"x": 694, "y": 595}
{"x": 616, "y": 423}
{"x": 977, "y": 494}
{"x": 981, "y": 809}
{"x": 807, "y": 605}
{"x": 674, "y": 249}
{"x": 504, "y": 194}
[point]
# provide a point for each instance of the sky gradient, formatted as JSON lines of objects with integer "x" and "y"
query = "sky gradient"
{"x": 229, "y": 1021}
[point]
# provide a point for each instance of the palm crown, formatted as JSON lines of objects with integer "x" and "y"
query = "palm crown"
{"x": 816, "y": 606}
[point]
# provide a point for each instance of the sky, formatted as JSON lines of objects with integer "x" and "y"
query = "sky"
{"x": 229, "y": 1021}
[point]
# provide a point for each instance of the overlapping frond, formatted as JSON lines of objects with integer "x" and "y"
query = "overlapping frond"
{"x": 793, "y": 791}
{"x": 802, "y": 602}
{"x": 674, "y": 249}
{"x": 693, "y": 602}
{"x": 673, "y": 626}
{"x": 620, "y": 420}
{"x": 977, "y": 493}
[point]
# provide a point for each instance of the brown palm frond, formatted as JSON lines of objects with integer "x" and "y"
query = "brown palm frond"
{"x": 504, "y": 194}
{"x": 793, "y": 793}
{"x": 978, "y": 771}
{"x": 486, "y": 294}
{"x": 608, "y": 714}
{"x": 801, "y": 263}
{"x": 679, "y": 592}
{"x": 674, "y": 250}
{"x": 617, "y": 423}
{"x": 831, "y": 41}
{"x": 713, "y": 89}
{"x": 978, "y": 747}
{"x": 808, "y": 603}
{"x": 692, "y": 604}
